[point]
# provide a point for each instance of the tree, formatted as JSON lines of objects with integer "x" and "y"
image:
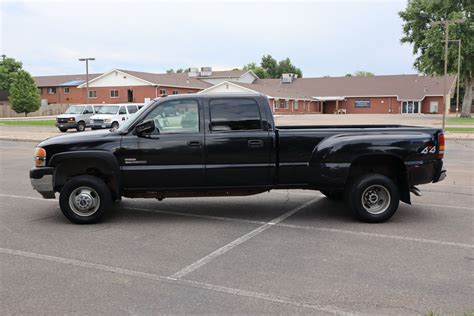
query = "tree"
{"x": 24, "y": 96}
{"x": 259, "y": 71}
{"x": 8, "y": 68}
{"x": 428, "y": 40}
{"x": 270, "y": 68}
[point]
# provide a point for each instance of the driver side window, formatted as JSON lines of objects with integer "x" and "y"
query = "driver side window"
{"x": 180, "y": 116}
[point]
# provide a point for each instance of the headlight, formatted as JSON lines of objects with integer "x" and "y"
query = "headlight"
{"x": 40, "y": 157}
{"x": 71, "y": 120}
{"x": 107, "y": 121}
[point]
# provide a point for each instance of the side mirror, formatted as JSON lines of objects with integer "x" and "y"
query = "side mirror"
{"x": 147, "y": 126}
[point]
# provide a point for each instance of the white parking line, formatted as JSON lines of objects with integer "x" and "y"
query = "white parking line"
{"x": 28, "y": 198}
{"x": 325, "y": 229}
{"x": 188, "y": 283}
{"x": 205, "y": 260}
{"x": 395, "y": 237}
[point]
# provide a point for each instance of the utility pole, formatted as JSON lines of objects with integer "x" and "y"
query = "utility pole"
{"x": 446, "y": 24}
{"x": 87, "y": 75}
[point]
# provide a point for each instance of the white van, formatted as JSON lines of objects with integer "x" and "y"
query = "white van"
{"x": 112, "y": 115}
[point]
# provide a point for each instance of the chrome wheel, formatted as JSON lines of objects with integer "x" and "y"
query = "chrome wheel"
{"x": 376, "y": 199}
{"x": 84, "y": 201}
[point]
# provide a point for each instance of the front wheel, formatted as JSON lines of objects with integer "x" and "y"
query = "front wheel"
{"x": 373, "y": 198}
{"x": 115, "y": 125}
{"x": 63, "y": 130}
{"x": 84, "y": 199}
{"x": 81, "y": 126}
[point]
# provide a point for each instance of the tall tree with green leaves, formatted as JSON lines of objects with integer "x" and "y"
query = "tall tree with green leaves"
{"x": 24, "y": 96}
{"x": 8, "y": 68}
{"x": 428, "y": 40}
{"x": 270, "y": 68}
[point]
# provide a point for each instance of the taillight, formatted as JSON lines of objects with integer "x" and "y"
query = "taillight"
{"x": 441, "y": 145}
{"x": 40, "y": 157}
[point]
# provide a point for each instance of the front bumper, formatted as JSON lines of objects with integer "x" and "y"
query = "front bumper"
{"x": 100, "y": 125}
{"x": 65, "y": 125}
{"x": 42, "y": 181}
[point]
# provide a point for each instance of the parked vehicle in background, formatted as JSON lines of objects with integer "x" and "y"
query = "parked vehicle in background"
{"x": 76, "y": 116}
{"x": 225, "y": 144}
{"x": 112, "y": 115}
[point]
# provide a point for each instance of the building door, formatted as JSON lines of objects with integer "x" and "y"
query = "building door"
{"x": 129, "y": 95}
{"x": 410, "y": 107}
{"x": 433, "y": 106}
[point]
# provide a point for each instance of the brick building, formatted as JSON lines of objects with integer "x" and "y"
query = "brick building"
{"x": 406, "y": 94}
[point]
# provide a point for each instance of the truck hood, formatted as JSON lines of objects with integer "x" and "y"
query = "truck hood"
{"x": 74, "y": 138}
{"x": 66, "y": 115}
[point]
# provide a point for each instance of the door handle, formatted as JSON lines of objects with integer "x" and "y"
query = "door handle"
{"x": 194, "y": 143}
{"x": 255, "y": 143}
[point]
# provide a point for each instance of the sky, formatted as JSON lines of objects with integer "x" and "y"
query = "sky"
{"x": 320, "y": 37}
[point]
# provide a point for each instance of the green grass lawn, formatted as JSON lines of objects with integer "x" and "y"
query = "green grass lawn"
{"x": 460, "y": 129}
{"x": 27, "y": 123}
{"x": 458, "y": 120}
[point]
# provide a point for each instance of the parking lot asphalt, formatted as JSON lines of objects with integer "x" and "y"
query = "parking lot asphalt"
{"x": 285, "y": 252}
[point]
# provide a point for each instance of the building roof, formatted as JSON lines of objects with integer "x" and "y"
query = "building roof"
{"x": 62, "y": 80}
{"x": 172, "y": 79}
{"x": 405, "y": 87}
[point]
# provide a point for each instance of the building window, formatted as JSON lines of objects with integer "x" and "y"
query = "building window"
{"x": 114, "y": 94}
{"x": 92, "y": 94}
{"x": 282, "y": 104}
{"x": 276, "y": 104}
{"x": 175, "y": 91}
{"x": 162, "y": 92}
{"x": 295, "y": 104}
{"x": 362, "y": 103}
{"x": 51, "y": 90}
{"x": 66, "y": 91}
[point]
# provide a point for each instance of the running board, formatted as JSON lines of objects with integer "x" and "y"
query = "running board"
{"x": 415, "y": 191}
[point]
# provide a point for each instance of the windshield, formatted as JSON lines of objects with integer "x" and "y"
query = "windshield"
{"x": 75, "y": 109}
{"x": 108, "y": 110}
{"x": 124, "y": 127}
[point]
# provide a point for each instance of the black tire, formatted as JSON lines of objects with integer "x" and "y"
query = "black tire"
{"x": 115, "y": 125}
{"x": 333, "y": 195}
{"x": 63, "y": 130}
{"x": 81, "y": 126}
{"x": 381, "y": 198}
{"x": 98, "y": 198}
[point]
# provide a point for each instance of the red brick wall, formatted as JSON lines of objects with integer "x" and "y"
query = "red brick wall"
{"x": 78, "y": 95}
{"x": 75, "y": 95}
{"x": 425, "y": 104}
{"x": 303, "y": 107}
{"x": 377, "y": 105}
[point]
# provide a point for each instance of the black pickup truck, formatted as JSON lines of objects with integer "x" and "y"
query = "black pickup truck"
{"x": 228, "y": 144}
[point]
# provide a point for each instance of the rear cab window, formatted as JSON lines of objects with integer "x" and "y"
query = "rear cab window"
{"x": 234, "y": 115}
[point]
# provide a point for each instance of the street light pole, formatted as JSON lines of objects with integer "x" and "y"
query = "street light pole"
{"x": 87, "y": 75}
{"x": 459, "y": 73}
{"x": 446, "y": 40}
